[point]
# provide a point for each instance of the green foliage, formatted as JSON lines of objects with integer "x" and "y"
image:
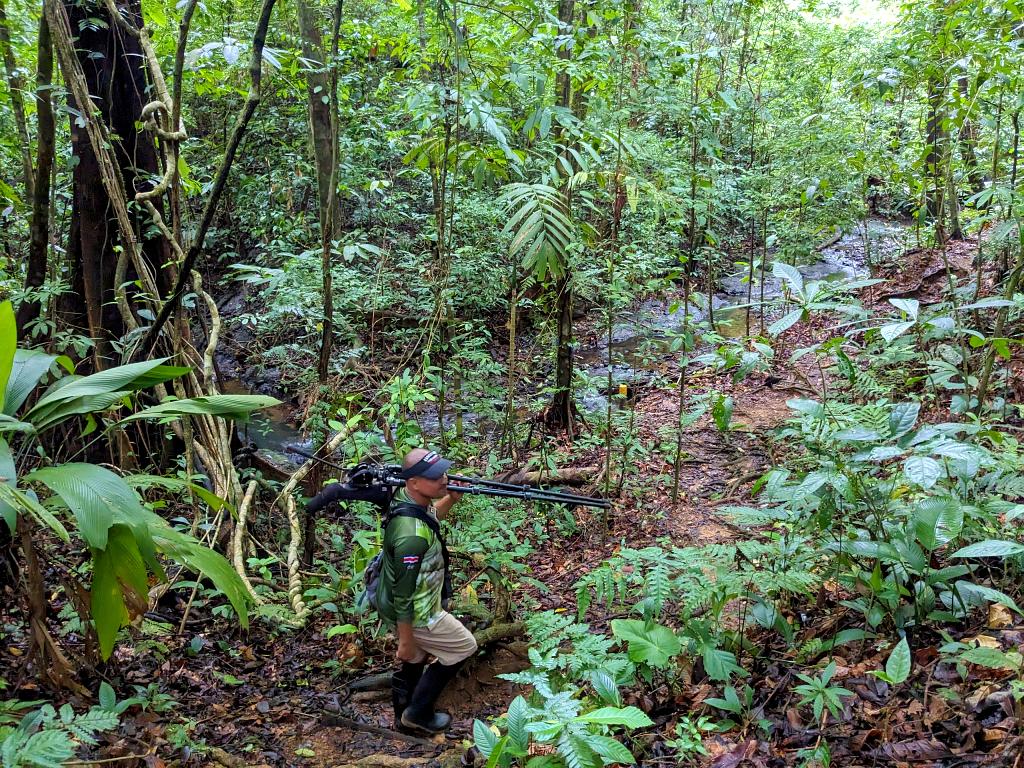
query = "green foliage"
{"x": 578, "y": 734}
{"x": 541, "y": 228}
{"x": 46, "y": 738}
{"x": 649, "y": 644}
{"x": 689, "y": 736}
{"x": 897, "y": 667}
{"x": 817, "y": 692}
{"x": 123, "y": 536}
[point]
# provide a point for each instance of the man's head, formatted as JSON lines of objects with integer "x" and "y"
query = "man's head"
{"x": 425, "y": 473}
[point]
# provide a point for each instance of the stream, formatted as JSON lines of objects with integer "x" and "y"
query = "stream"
{"x": 635, "y": 345}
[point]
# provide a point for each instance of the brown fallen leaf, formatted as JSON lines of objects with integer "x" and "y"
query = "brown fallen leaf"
{"x": 999, "y": 616}
{"x": 916, "y": 750}
{"x": 998, "y": 733}
{"x": 737, "y": 755}
{"x": 976, "y": 699}
{"x": 984, "y": 641}
{"x": 793, "y": 720}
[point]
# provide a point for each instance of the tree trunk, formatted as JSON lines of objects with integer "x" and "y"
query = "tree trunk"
{"x": 936, "y": 141}
{"x": 318, "y": 92}
{"x": 15, "y": 86}
{"x": 967, "y": 137}
{"x": 321, "y": 91}
{"x": 561, "y": 413}
{"x": 39, "y": 237}
{"x": 113, "y": 64}
{"x": 562, "y": 406}
{"x": 1002, "y": 263}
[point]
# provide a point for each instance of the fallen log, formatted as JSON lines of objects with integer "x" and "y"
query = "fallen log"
{"x": 498, "y": 632}
{"x": 836, "y": 237}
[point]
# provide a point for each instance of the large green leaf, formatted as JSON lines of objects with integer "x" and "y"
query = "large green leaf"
{"x": 790, "y": 274}
{"x": 922, "y": 470}
{"x": 993, "y": 658}
{"x": 177, "y": 485}
{"x": 26, "y": 501}
{"x": 938, "y": 521}
{"x": 812, "y": 408}
{"x": 8, "y": 343}
{"x": 77, "y": 406}
{"x": 186, "y": 550}
{"x": 605, "y": 687}
{"x": 8, "y": 476}
{"x": 29, "y": 367}
{"x": 630, "y": 717}
{"x": 73, "y": 397}
{"x": 648, "y": 642}
{"x": 106, "y": 600}
{"x": 910, "y": 306}
{"x": 611, "y": 750}
{"x": 979, "y": 595}
{"x": 720, "y": 664}
{"x": 11, "y": 424}
{"x": 858, "y": 435}
{"x": 991, "y": 548}
{"x": 484, "y": 738}
{"x": 903, "y": 417}
{"x": 129, "y": 567}
{"x": 897, "y": 667}
{"x": 231, "y": 406}
{"x": 518, "y": 714}
{"x": 93, "y": 494}
{"x": 785, "y": 322}
{"x": 892, "y": 331}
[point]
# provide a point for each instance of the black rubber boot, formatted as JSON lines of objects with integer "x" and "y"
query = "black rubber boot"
{"x": 420, "y": 714}
{"x": 403, "y": 683}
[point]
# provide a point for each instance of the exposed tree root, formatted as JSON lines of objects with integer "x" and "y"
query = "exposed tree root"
{"x": 337, "y": 719}
{"x": 286, "y": 500}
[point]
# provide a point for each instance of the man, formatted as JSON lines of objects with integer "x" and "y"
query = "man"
{"x": 412, "y": 593}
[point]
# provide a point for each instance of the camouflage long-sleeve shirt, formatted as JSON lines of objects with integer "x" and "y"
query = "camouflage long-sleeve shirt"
{"x": 412, "y": 576}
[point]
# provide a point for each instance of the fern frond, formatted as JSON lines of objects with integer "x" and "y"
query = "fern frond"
{"x": 658, "y": 588}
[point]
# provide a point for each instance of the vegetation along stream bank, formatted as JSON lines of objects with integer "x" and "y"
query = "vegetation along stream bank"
{"x": 722, "y": 298}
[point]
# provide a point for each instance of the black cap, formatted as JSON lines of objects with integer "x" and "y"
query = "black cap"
{"x": 431, "y": 466}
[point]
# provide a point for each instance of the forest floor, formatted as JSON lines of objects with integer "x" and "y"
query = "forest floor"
{"x": 261, "y": 698}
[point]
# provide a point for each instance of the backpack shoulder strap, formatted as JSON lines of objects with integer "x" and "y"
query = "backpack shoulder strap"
{"x": 408, "y": 509}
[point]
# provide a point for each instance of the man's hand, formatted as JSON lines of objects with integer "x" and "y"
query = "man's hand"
{"x": 407, "y": 648}
{"x": 441, "y": 506}
{"x": 408, "y": 651}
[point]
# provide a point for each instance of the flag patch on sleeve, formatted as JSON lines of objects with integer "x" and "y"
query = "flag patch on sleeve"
{"x": 411, "y": 560}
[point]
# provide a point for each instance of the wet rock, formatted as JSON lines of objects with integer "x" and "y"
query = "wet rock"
{"x": 265, "y": 381}
{"x": 232, "y": 306}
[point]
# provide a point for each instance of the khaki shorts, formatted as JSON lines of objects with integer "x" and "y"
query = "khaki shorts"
{"x": 446, "y": 639}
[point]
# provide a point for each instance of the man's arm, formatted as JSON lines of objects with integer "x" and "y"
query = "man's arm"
{"x": 408, "y": 650}
{"x": 444, "y": 505}
{"x": 407, "y": 557}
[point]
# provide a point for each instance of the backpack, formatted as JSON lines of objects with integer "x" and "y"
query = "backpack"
{"x": 373, "y": 570}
